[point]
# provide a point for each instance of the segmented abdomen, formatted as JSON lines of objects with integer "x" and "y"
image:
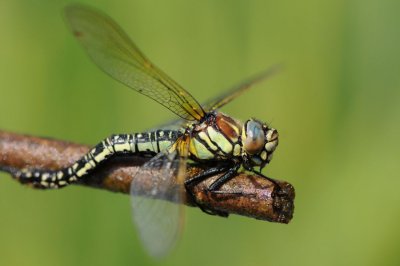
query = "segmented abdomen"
{"x": 148, "y": 143}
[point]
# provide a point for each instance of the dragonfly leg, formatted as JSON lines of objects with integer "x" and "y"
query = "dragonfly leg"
{"x": 190, "y": 183}
{"x": 206, "y": 174}
{"x": 268, "y": 178}
{"x": 229, "y": 173}
{"x": 224, "y": 178}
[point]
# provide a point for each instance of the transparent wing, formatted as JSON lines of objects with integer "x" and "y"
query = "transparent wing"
{"x": 237, "y": 90}
{"x": 112, "y": 50}
{"x": 175, "y": 124}
{"x": 156, "y": 196}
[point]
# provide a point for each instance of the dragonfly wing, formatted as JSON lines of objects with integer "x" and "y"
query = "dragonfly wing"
{"x": 156, "y": 196}
{"x": 174, "y": 124}
{"x": 112, "y": 50}
{"x": 237, "y": 90}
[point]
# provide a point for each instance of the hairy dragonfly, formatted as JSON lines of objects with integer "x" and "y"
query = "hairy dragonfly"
{"x": 204, "y": 136}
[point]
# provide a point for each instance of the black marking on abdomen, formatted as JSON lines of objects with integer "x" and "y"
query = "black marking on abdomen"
{"x": 156, "y": 139}
{"x": 122, "y": 144}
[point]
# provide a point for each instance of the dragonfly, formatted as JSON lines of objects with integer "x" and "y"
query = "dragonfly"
{"x": 205, "y": 136}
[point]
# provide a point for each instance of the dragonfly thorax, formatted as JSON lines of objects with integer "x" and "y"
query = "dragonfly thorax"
{"x": 217, "y": 137}
{"x": 220, "y": 137}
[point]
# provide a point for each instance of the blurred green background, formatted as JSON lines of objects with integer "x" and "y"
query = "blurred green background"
{"x": 336, "y": 106}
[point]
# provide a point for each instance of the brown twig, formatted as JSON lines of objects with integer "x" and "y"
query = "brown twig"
{"x": 246, "y": 194}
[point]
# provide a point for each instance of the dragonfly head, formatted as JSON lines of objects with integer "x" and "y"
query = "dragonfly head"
{"x": 259, "y": 143}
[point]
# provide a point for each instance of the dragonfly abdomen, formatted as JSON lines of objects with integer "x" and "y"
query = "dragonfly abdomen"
{"x": 149, "y": 144}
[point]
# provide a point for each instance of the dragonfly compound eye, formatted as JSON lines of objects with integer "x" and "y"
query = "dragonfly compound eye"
{"x": 253, "y": 137}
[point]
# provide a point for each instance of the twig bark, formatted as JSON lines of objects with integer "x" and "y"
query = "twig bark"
{"x": 246, "y": 194}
